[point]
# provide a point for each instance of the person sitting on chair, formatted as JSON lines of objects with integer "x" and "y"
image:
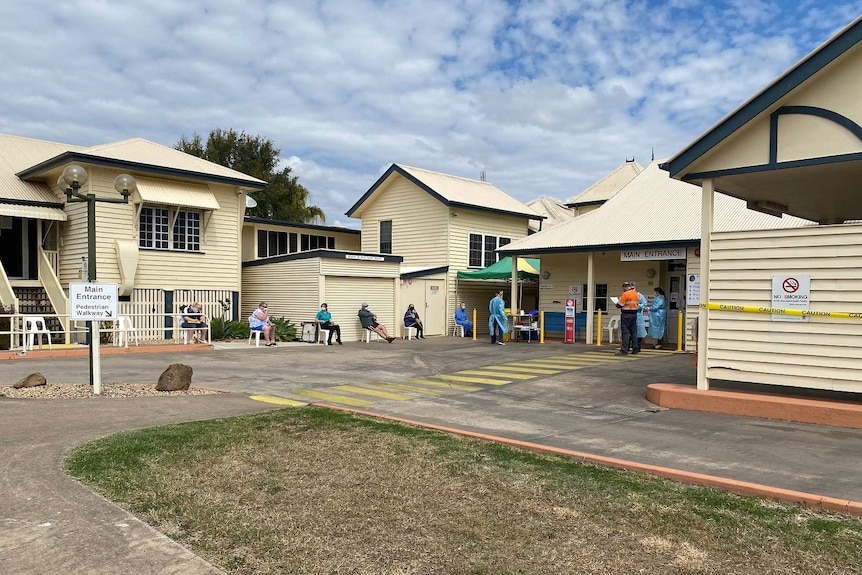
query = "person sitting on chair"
{"x": 259, "y": 321}
{"x": 461, "y": 319}
{"x": 195, "y": 321}
{"x": 369, "y": 322}
{"x": 324, "y": 321}
{"x": 411, "y": 319}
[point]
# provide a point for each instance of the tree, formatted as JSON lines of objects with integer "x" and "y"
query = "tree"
{"x": 283, "y": 198}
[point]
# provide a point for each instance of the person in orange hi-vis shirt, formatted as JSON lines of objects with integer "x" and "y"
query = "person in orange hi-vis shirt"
{"x": 628, "y": 305}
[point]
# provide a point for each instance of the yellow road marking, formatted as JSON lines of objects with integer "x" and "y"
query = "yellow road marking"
{"x": 335, "y": 398}
{"x": 371, "y": 392}
{"x": 525, "y": 368}
{"x": 537, "y": 363}
{"x": 410, "y": 388}
{"x": 485, "y": 380}
{"x": 493, "y": 373}
{"x": 278, "y": 400}
{"x": 444, "y": 384}
{"x": 583, "y": 361}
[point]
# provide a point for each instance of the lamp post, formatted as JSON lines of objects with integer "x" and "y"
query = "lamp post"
{"x": 72, "y": 179}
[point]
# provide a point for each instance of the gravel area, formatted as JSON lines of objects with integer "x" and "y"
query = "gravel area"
{"x": 83, "y": 391}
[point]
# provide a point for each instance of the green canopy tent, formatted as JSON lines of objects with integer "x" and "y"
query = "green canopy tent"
{"x": 528, "y": 270}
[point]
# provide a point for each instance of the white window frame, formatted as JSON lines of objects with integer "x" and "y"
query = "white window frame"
{"x": 487, "y": 255}
{"x": 169, "y": 217}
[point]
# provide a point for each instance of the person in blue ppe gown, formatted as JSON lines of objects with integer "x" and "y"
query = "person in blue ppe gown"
{"x": 658, "y": 316}
{"x": 498, "y": 323}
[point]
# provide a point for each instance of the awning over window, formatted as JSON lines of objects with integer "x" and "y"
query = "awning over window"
{"x": 170, "y": 193}
{"x": 32, "y": 212}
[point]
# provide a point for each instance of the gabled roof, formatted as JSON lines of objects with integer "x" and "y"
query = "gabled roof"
{"x": 653, "y": 210}
{"x": 18, "y": 153}
{"x": 605, "y": 188}
{"x": 143, "y": 156}
{"x": 554, "y": 210}
{"x": 825, "y": 54}
{"x": 450, "y": 191}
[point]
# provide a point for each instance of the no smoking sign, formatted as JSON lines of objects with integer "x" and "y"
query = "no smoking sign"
{"x": 790, "y": 285}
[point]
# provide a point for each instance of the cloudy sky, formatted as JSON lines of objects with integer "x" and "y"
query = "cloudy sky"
{"x": 543, "y": 96}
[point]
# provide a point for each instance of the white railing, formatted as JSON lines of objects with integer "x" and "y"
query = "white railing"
{"x": 7, "y": 294}
{"x": 56, "y": 295}
{"x": 53, "y": 260}
{"x": 147, "y": 326}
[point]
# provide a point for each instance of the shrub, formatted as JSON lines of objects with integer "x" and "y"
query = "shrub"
{"x": 284, "y": 330}
{"x": 222, "y": 330}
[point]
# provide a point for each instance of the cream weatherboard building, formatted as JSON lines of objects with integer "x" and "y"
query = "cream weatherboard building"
{"x": 440, "y": 225}
{"x": 648, "y": 232}
{"x": 174, "y": 242}
{"x": 794, "y": 148}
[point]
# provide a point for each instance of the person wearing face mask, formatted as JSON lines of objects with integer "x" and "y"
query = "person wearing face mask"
{"x": 462, "y": 320}
{"x": 324, "y": 321}
{"x": 411, "y": 319}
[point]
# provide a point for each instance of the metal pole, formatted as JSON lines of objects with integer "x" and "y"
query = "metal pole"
{"x": 95, "y": 360}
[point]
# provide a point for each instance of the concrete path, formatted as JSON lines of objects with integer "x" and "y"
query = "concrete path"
{"x": 572, "y": 397}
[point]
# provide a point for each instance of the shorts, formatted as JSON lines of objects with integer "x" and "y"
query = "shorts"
{"x": 257, "y": 328}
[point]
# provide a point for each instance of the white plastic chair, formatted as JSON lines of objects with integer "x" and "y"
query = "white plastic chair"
{"x": 181, "y": 333}
{"x": 323, "y": 336}
{"x": 613, "y": 325}
{"x": 124, "y": 330}
{"x": 408, "y": 330}
{"x": 369, "y": 333}
{"x": 254, "y": 333}
{"x": 34, "y": 327}
{"x": 456, "y": 328}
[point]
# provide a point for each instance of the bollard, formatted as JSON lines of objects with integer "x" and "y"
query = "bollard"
{"x": 474, "y": 324}
{"x": 599, "y": 329}
{"x": 542, "y": 326}
{"x": 680, "y": 331}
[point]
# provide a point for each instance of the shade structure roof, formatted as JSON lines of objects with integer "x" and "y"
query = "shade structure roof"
{"x": 528, "y": 268}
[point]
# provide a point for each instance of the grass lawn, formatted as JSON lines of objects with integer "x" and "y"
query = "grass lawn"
{"x": 309, "y": 490}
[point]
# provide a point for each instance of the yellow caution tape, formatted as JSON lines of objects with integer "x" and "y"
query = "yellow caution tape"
{"x": 780, "y": 311}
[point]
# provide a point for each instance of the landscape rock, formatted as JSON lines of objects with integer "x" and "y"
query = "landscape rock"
{"x": 32, "y": 380}
{"x": 177, "y": 377}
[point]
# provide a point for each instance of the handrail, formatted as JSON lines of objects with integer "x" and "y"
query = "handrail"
{"x": 7, "y": 294}
{"x": 55, "y": 292}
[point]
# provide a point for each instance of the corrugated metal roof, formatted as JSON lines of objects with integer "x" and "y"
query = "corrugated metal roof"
{"x": 554, "y": 210}
{"x": 32, "y": 212}
{"x": 605, "y": 188}
{"x": 174, "y": 193}
{"x": 470, "y": 192}
{"x": 651, "y": 209}
{"x": 146, "y": 152}
{"x": 16, "y": 154}
{"x": 463, "y": 191}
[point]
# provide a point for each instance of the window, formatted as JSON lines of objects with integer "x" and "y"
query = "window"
{"x": 153, "y": 228}
{"x": 271, "y": 243}
{"x": 315, "y": 242}
{"x": 187, "y": 231}
{"x": 482, "y": 250}
{"x": 386, "y": 237}
{"x": 601, "y": 301}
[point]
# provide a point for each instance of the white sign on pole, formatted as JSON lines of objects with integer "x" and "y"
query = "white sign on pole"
{"x": 692, "y": 290}
{"x": 791, "y": 292}
{"x": 93, "y": 301}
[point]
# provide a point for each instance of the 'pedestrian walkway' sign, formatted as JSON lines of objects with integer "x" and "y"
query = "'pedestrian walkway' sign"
{"x": 93, "y": 301}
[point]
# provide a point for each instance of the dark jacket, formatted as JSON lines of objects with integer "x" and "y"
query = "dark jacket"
{"x": 411, "y": 318}
{"x": 366, "y": 318}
